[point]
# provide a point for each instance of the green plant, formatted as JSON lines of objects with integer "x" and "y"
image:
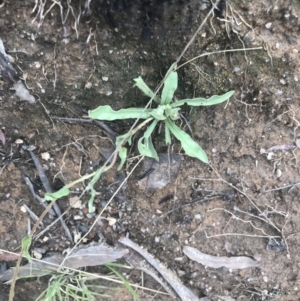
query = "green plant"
{"x": 65, "y": 287}
{"x": 167, "y": 111}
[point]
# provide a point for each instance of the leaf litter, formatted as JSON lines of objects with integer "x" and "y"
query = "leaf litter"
{"x": 91, "y": 255}
{"x": 234, "y": 263}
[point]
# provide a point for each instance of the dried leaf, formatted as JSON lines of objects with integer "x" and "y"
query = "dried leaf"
{"x": 91, "y": 255}
{"x": 239, "y": 262}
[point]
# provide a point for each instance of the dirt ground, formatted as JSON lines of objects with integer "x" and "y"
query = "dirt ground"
{"x": 252, "y": 141}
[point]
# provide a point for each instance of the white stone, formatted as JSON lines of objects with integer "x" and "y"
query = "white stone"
{"x": 268, "y": 25}
{"x": 45, "y": 156}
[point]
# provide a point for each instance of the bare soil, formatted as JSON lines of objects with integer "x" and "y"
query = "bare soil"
{"x": 251, "y": 140}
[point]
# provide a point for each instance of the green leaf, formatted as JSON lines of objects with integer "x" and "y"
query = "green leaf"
{"x": 150, "y": 129}
{"x": 190, "y": 147}
{"x": 143, "y": 87}
{"x": 123, "y": 156}
{"x": 107, "y": 113}
{"x": 126, "y": 136}
{"x": 167, "y": 135}
{"x": 123, "y": 150}
{"x": 91, "y": 184}
{"x": 214, "y": 100}
{"x": 159, "y": 113}
{"x": 125, "y": 282}
{"x": 64, "y": 191}
{"x": 147, "y": 149}
{"x": 170, "y": 86}
{"x": 145, "y": 144}
{"x": 26, "y": 243}
{"x": 174, "y": 114}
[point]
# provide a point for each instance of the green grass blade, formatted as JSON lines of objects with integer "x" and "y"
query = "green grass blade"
{"x": 146, "y": 148}
{"x": 127, "y": 138}
{"x": 107, "y": 113}
{"x": 170, "y": 86}
{"x": 214, "y": 100}
{"x": 167, "y": 135}
{"x": 190, "y": 147}
{"x": 125, "y": 282}
{"x": 26, "y": 243}
{"x": 64, "y": 191}
{"x": 91, "y": 184}
{"x": 150, "y": 129}
{"x": 123, "y": 157}
{"x": 145, "y": 145}
{"x": 139, "y": 82}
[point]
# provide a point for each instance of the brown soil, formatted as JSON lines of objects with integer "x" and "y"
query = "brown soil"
{"x": 67, "y": 75}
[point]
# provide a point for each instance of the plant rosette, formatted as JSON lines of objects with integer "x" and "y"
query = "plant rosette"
{"x": 167, "y": 111}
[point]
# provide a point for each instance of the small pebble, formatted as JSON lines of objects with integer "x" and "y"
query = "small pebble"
{"x": 23, "y": 209}
{"x": 37, "y": 65}
{"x": 45, "y": 156}
{"x": 37, "y": 254}
{"x": 268, "y": 25}
{"x": 278, "y": 173}
{"x": 88, "y": 85}
{"x": 111, "y": 221}
{"x": 283, "y": 81}
{"x": 77, "y": 217}
{"x": 19, "y": 141}
{"x": 198, "y": 216}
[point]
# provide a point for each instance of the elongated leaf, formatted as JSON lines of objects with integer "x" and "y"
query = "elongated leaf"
{"x": 170, "y": 86}
{"x": 64, "y": 191}
{"x": 150, "y": 129}
{"x": 145, "y": 144}
{"x": 146, "y": 148}
{"x": 167, "y": 135}
{"x": 26, "y": 243}
{"x": 91, "y": 184}
{"x": 125, "y": 282}
{"x": 123, "y": 156}
{"x": 139, "y": 82}
{"x": 127, "y": 138}
{"x": 190, "y": 147}
{"x": 214, "y": 100}
{"x": 107, "y": 113}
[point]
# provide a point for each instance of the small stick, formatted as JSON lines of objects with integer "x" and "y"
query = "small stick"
{"x": 146, "y": 174}
{"x": 108, "y": 130}
{"x": 48, "y": 189}
{"x": 36, "y": 196}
